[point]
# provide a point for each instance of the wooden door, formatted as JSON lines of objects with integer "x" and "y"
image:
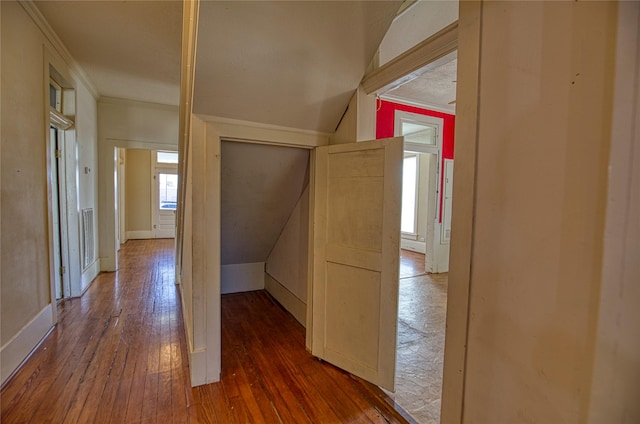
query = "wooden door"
{"x": 356, "y": 240}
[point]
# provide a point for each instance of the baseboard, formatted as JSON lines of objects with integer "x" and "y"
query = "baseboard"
{"x": 16, "y": 350}
{"x": 237, "y": 278}
{"x": 140, "y": 235}
{"x": 288, "y": 300}
{"x": 89, "y": 275}
{"x": 413, "y": 245}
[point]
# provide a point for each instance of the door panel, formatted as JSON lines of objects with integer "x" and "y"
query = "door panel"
{"x": 167, "y": 189}
{"x": 356, "y": 257}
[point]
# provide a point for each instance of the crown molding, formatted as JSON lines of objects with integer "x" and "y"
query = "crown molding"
{"x": 74, "y": 67}
{"x": 437, "y": 108}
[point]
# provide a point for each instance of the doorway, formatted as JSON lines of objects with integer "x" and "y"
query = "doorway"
{"x": 427, "y": 125}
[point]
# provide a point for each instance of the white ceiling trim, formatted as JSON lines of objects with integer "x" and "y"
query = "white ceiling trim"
{"x": 74, "y": 68}
{"x": 255, "y": 132}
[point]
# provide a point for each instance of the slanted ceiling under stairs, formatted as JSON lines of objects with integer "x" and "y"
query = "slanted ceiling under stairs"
{"x": 260, "y": 187}
{"x": 289, "y": 63}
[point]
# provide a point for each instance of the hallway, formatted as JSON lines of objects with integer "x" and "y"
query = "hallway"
{"x": 118, "y": 354}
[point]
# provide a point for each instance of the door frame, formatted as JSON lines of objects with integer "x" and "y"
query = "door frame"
{"x": 435, "y": 249}
{"x": 58, "y": 212}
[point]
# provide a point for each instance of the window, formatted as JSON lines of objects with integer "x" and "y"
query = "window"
{"x": 409, "y": 194}
{"x": 55, "y": 96}
{"x": 167, "y": 157}
{"x": 168, "y": 191}
{"x": 418, "y": 133}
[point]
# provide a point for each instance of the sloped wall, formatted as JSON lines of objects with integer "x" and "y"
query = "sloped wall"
{"x": 260, "y": 187}
{"x": 286, "y": 267}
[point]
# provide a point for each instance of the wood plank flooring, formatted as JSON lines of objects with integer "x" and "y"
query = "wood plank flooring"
{"x": 118, "y": 355}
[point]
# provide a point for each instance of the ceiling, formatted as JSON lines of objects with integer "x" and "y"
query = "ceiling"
{"x": 287, "y": 63}
{"x": 129, "y": 49}
{"x": 433, "y": 87}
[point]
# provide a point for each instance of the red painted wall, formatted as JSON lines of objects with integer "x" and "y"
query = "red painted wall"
{"x": 385, "y": 128}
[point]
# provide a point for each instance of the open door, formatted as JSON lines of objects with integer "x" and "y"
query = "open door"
{"x": 356, "y": 240}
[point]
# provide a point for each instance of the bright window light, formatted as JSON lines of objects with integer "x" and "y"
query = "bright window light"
{"x": 167, "y": 157}
{"x": 409, "y": 184}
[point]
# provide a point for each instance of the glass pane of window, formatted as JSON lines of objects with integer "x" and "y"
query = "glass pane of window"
{"x": 167, "y": 157}
{"x": 55, "y": 96}
{"x": 419, "y": 133}
{"x": 409, "y": 181}
{"x": 168, "y": 191}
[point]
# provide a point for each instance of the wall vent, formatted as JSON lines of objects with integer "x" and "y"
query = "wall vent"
{"x": 88, "y": 254}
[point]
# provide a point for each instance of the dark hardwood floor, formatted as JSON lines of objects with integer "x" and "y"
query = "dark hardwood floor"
{"x": 118, "y": 354}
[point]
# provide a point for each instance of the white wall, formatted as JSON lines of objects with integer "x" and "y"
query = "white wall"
{"x": 129, "y": 124}
{"x": 534, "y": 132}
{"x": 418, "y": 23}
{"x": 87, "y": 167}
{"x": 28, "y": 310}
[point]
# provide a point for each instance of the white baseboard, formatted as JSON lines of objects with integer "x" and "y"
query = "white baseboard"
{"x": 288, "y": 300}
{"x": 139, "y": 235}
{"x": 237, "y": 278}
{"x": 413, "y": 245}
{"x": 16, "y": 350}
{"x": 90, "y": 274}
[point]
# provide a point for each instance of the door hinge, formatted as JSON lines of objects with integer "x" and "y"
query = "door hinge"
{"x": 62, "y": 270}
{"x": 58, "y": 154}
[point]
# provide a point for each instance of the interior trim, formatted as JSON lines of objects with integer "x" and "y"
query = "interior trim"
{"x": 402, "y": 68}
{"x": 255, "y": 132}
{"x": 19, "y": 348}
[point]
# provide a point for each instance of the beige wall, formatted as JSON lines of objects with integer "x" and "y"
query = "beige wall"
{"x": 138, "y": 186}
{"x": 615, "y": 389}
{"x": 25, "y": 253}
{"x": 534, "y": 117}
{"x": 359, "y": 120}
{"x": 26, "y": 310}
